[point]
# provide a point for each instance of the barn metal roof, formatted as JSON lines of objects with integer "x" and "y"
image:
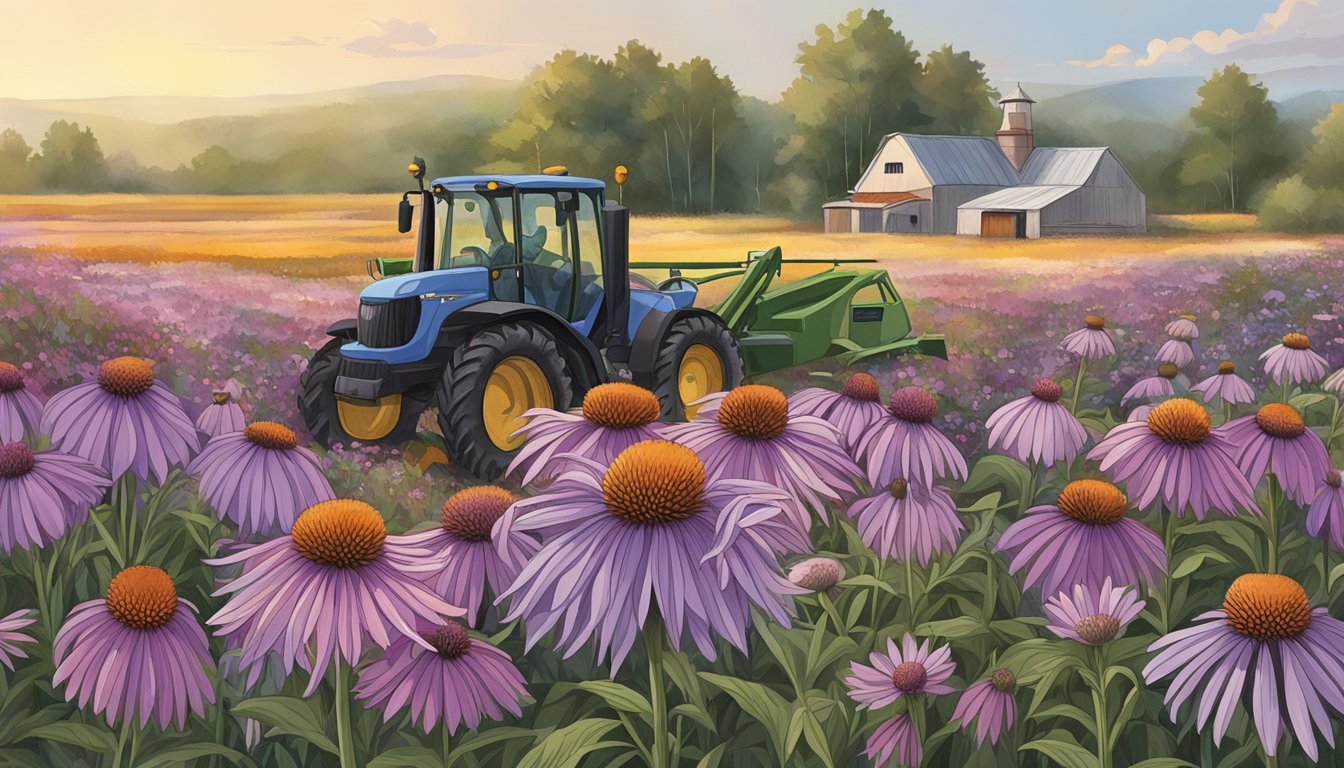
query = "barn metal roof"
{"x": 1020, "y": 198}
{"x": 886, "y": 198}
{"x": 1052, "y": 166}
{"x": 961, "y": 159}
{"x": 1017, "y": 95}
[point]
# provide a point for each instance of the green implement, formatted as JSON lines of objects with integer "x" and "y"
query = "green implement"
{"x": 850, "y": 314}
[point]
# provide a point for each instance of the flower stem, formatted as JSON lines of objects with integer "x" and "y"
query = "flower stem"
{"x": 1099, "y": 703}
{"x": 1325, "y": 566}
{"x": 1169, "y": 542}
{"x": 1077, "y": 387}
{"x": 661, "y": 756}
{"x": 344, "y": 736}
{"x": 991, "y": 586}
{"x": 910, "y": 592}
{"x": 121, "y": 742}
{"x": 446, "y": 743}
{"x": 1272, "y": 524}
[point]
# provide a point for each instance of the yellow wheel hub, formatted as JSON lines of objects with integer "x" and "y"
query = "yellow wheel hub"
{"x": 369, "y": 421}
{"x": 515, "y": 386}
{"x": 700, "y": 374}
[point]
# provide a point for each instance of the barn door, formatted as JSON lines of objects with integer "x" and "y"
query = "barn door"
{"x": 837, "y": 220}
{"x": 1001, "y": 224}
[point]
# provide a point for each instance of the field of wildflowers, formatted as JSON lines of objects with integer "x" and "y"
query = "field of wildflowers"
{"x": 1105, "y": 533}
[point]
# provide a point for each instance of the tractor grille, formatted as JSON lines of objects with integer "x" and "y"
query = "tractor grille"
{"x": 370, "y": 370}
{"x": 389, "y": 324}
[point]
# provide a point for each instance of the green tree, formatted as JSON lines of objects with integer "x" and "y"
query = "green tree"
{"x": 955, "y": 93}
{"x": 1325, "y": 159}
{"x": 1295, "y": 206}
{"x": 69, "y": 159}
{"x": 14, "y": 154}
{"x": 1237, "y": 146}
{"x": 856, "y": 83}
{"x": 575, "y": 111}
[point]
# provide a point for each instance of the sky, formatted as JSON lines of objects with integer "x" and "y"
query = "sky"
{"x": 84, "y": 48}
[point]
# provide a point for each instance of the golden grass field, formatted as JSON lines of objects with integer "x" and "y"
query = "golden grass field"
{"x": 334, "y": 235}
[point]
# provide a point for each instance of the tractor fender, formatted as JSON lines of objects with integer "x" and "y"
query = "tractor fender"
{"x": 647, "y": 339}
{"x": 343, "y": 329}
{"x": 582, "y": 358}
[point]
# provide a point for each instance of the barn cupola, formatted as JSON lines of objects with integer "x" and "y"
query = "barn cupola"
{"x": 1015, "y": 138}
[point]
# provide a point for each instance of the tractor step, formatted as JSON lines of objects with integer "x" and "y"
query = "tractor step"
{"x": 766, "y": 351}
{"x": 929, "y": 344}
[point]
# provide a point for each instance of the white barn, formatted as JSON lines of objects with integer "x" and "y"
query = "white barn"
{"x": 991, "y": 187}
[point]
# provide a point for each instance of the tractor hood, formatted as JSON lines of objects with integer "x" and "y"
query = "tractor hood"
{"x": 458, "y": 281}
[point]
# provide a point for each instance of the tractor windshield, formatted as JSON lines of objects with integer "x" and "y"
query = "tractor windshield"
{"x": 475, "y": 230}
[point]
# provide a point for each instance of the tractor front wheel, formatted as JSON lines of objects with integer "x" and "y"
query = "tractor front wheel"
{"x": 494, "y": 377}
{"x": 698, "y": 356}
{"x": 327, "y": 416}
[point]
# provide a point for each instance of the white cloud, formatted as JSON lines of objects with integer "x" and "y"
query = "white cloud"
{"x": 1298, "y": 32}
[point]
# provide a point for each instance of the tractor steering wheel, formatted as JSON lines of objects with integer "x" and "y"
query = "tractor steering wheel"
{"x": 470, "y": 256}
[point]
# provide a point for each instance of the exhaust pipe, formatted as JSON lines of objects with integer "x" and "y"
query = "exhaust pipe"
{"x": 616, "y": 281}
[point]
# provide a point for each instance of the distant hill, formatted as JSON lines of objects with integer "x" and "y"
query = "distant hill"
{"x": 168, "y": 131}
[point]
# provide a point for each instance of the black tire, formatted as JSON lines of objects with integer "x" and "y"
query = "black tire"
{"x": 462, "y": 391}
{"x": 681, "y": 336}
{"x": 317, "y": 402}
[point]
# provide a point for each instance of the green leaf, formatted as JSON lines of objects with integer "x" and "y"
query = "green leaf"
{"x": 712, "y": 758}
{"x": 83, "y": 735}
{"x": 287, "y": 715}
{"x": 1163, "y": 762}
{"x": 187, "y": 754}
{"x": 869, "y": 580}
{"x": 406, "y": 757}
{"x": 1060, "y": 747}
{"x": 995, "y": 472}
{"x": 478, "y": 740}
{"x": 565, "y": 747}
{"x": 764, "y": 705}
{"x": 617, "y": 696}
{"x": 1195, "y": 559}
{"x": 959, "y": 628}
{"x": 1070, "y": 711}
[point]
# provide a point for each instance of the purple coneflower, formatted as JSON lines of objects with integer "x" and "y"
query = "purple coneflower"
{"x": 1265, "y": 635}
{"x": 653, "y": 530}
{"x": 1334, "y": 383}
{"x": 1177, "y": 456}
{"x": 1038, "y": 427}
{"x": 1226, "y": 385}
{"x": 123, "y": 421}
{"x": 909, "y": 670}
{"x": 1092, "y": 341}
{"x": 817, "y": 574}
{"x": 12, "y": 636}
{"x": 43, "y": 494}
{"x": 260, "y": 478}
{"x": 1084, "y": 538}
{"x": 20, "y": 410}
{"x": 469, "y": 559}
{"x": 905, "y": 444}
{"x": 852, "y": 410}
{"x": 1175, "y": 352}
{"x": 614, "y": 417}
{"x": 989, "y": 704}
{"x": 334, "y": 585}
{"x": 1276, "y": 440}
{"x": 457, "y": 680}
{"x": 223, "y": 414}
{"x": 895, "y": 739}
{"x": 1293, "y": 361}
{"x": 1182, "y": 328}
{"x": 1153, "y": 387}
{"x": 1325, "y": 518}
{"x": 1093, "y": 615}
{"x": 138, "y": 653}
{"x": 905, "y": 520}
{"x": 749, "y": 434}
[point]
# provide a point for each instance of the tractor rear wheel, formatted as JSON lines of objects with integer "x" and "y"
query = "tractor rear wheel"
{"x": 493, "y": 377}
{"x": 322, "y": 410}
{"x": 698, "y": 356}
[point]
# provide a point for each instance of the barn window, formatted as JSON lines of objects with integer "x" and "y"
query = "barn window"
{"x": 895, "y": 168}
{"x": 914, "y": 221}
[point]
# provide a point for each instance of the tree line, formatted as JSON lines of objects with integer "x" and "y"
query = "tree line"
{"x": 696, "y": 145}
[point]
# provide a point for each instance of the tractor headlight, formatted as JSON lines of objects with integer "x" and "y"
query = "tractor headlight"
{"x": 441, "y": 297}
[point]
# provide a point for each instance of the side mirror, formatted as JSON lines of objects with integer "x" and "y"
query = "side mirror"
{"x": 404, "y": 213}
{"x": 566, "y": 203}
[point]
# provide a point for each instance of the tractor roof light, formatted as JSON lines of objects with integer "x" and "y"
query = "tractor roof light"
{"x": 555, "y": 170}
{"x": 492, "y": 185}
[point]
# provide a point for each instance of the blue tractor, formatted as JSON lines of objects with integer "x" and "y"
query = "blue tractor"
{"x": 520, "y": 296}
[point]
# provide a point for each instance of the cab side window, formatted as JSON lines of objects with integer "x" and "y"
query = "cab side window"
{"x": 587, "y": 225}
